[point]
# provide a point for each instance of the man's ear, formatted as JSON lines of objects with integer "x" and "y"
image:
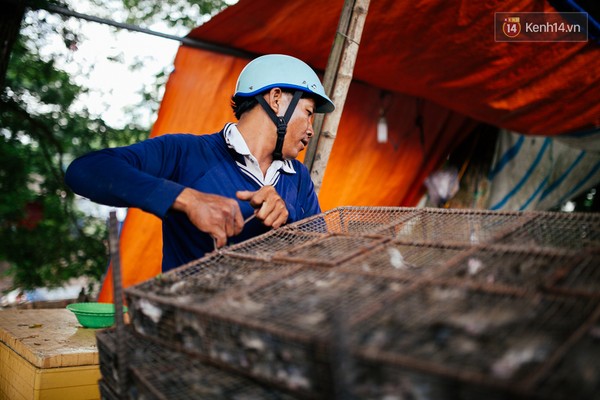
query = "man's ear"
{"x": 273, "y": 98}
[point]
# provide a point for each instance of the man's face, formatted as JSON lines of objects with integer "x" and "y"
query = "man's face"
{"x": 299, "y": 129}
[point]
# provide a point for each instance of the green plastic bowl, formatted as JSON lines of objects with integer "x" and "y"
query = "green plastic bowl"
{"x": 94, "y": 315}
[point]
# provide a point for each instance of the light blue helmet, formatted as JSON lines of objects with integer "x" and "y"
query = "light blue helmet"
{"x": 278, "y": 70}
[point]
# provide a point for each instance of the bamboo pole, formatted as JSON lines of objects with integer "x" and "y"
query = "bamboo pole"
{"x": 343, "y": 78}
{"x": 330, "y": 72}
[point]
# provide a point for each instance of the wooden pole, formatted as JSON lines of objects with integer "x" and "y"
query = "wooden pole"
{"x": 122, "y": 356}
{"x": 350, "y": 41}
{"x": 330, "y": 71}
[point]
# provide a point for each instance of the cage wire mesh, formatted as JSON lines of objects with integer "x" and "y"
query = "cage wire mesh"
{"x": 500, "y": 266}
{"x": 384, "y": 302}
{"x": 459, "y": 227}
{"x": 330, "y": 250}
{"x": 403, "y": 261}
{"x": 583, "y": 279}
{"x": 578, "y": 371}
{"x": 354, "y": 220}
{"x": 377, "y": 380}
{"x": 271, "y": 243}
{"x": 160, "y": 307}
{"x": 558, "y": 230}
{"x": 490, "y": 336}
{"x": 156, "y": 372}
{"x": 275, "y": 330}
{"x": 106, "y": 391}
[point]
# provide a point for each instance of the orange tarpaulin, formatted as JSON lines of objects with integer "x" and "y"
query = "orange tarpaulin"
{"x": 444, "y": 51}
{"x": 432, "y": 68}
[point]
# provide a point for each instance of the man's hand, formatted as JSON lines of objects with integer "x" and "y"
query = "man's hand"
{"x": 216, "y": 215}
{"x": 269, "y": 206}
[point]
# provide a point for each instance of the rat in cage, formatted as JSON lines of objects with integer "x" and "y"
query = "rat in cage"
{"x": 451, "y": 326}
{"x": 524, "y": 270}
{"x": 261, "y": 354}
{"x": 206, "y": 282}
{"x": 302, "y": 304}
{"x": 152, "y": 319}
{"x": 520, "y": 352}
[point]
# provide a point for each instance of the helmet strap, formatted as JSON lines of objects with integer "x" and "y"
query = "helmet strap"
{"x": 280, "y": 122}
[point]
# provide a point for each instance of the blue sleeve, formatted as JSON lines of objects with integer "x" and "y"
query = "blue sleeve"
{"x": 141, "y": 175}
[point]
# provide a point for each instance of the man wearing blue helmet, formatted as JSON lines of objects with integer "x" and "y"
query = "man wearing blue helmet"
{"x": 205, "y": 187}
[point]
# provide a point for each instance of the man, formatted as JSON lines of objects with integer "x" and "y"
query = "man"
{"x": 205, "y": 187}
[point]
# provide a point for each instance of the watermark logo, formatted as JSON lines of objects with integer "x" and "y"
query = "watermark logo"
{"x": 540, "y": 27}
{"x": 511, "y": 27}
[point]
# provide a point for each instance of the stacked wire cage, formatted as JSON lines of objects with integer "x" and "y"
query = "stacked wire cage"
{"x": 385, "y": 303}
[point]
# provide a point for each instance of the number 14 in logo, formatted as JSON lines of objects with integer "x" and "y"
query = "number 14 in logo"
{"x": 511, "y": 27}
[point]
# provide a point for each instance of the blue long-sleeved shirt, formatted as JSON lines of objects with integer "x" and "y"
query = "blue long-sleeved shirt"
{"x": 151, "y": 174}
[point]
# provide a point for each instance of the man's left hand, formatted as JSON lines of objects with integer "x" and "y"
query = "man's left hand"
{"x": 269, "y": 206}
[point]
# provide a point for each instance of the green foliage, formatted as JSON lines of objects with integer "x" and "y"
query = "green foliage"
{"x": 176, "y": 13}
{"x": 44, "y": 238}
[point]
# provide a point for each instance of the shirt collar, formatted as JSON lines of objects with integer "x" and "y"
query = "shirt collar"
{"x": 235, "y": 141}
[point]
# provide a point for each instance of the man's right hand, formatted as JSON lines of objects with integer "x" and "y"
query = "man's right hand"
{"x": 216, "y": 215}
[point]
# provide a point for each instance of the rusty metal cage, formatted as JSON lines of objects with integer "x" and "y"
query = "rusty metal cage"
{"x": 106, "y": 391}
{"x": 383, "y": 301}
{"x": 582, "y": 279}
{"x": 557, "y": 231}
{"x": 275, "y": 328}
{"x": 482, "y": 336}
{"x": 157, "y": 372}
{"x": 354, "y": 220}
{"x": 519, "y": 269}
{"x": 457, "y": 227}
{"x": 579, "y": 369}
{"x": 404, "y": 261}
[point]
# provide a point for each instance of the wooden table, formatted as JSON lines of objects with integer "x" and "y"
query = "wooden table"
{"x": 46, "y": 354}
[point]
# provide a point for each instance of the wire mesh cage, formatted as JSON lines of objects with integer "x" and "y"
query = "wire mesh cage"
{"x": 354, "y": 220}
{"x": 458, "y": 227}
{"x": 201, "y": 280}
{"x": 275, "y": 329}
{"x": 525, "y": 270}
{"x": 330, "y": 250}
{"x": 156, "y": 372}
{"x": 194, "y": 380}
{"x": 376, "y": 380}
{"x": 576, "y": 375}
{"x": 304, "y": 304}
{"x": 161, "y": 307}
{"x": 404, "y": 261}
{"x": 557, "y": 231}
{"x": 284, "y": 245}
{"x": 383, "y": 302}
{"x": 497, "y": 339}
{"x": 582, "y": 279}
{"x": 272, "y": 243}
{"x": 106, "y": 391}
